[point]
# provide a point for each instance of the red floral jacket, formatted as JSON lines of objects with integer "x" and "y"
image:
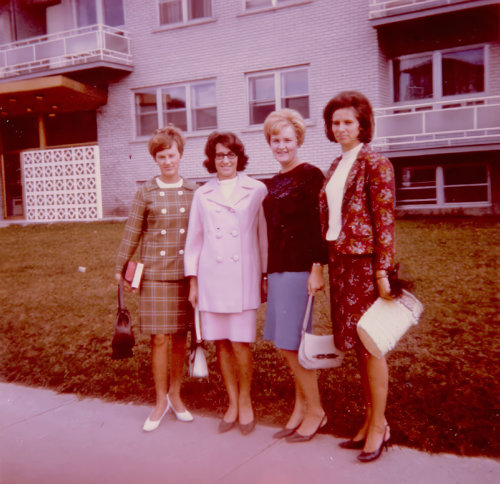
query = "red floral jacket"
{"x": 367, "y": 208}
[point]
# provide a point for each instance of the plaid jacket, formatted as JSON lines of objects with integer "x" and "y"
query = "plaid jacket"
{"x": 367, "y": 208}
{"x": 158, "y": 219}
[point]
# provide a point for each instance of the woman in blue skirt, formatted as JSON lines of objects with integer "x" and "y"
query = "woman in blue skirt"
{"x": 295, "y": 263}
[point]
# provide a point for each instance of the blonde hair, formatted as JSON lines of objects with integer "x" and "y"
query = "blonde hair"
{"x": 277, "y": 120}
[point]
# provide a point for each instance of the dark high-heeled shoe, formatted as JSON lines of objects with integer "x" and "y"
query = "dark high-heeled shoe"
{"x": 248, "y": 428}
{"x": 352, "y": 444}
{"x": 296, "y": 437}
{"x": 283, "y": 433}
{"x": 225, "y": 426}
{"x": 371, "y": 456}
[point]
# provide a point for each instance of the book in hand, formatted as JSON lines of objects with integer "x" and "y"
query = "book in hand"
{"x": 133, "y": 273}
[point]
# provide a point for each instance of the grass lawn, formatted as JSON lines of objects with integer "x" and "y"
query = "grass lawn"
{"x": 57, "y": 322}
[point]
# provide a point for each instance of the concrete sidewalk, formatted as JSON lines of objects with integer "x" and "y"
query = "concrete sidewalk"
{"x": 50, "y": 438}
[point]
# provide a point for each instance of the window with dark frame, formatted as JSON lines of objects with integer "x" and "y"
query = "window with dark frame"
{"x": 183, "y": 11}
{"x": 189, "y": 106}
{"x": 441, "y": 185}
{"x": 269, "y": 91}
{"x": 452, "y": 73}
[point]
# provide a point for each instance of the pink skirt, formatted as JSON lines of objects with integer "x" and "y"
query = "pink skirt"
{"x": 237, "y": 327}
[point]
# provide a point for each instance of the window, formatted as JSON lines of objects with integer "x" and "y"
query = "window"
{"x": 190, "y": 107}
{"x": 442, "y": 185}
{"x": 439, "y": 74}
{"x": 252, "y": 4}
{"x": 463, "y": 72}
{"x": 465, "y": 184}
{"x": 183, "y": 11}
{"x": 412, "y": 78}
{"x": 277, "y": 90}
{"x": 146, "y": 112}
{"x": 416, "y": 186}
{"x": 107, "y": 12}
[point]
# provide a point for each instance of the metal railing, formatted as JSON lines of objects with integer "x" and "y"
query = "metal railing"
{"x": 438, "y": 124}
{"x": 387, "y": 8}
{"x": 69, "y": 48}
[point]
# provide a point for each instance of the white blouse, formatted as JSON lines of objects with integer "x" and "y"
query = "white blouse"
{"x": 162, "y": 184}
{"x": 335, "y": 191}
{"x": 227, "y": 186}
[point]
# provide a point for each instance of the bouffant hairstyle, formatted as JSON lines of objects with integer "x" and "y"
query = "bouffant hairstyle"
{"x": 164, "y": 138}
{"x": 362, "y": 109}
{"x": 230, "y": 141}
{"x": 277, "y": 120}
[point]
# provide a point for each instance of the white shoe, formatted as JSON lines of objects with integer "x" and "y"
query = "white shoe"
{"x": 182, "y": 416}
{"x": 150, "y": 425}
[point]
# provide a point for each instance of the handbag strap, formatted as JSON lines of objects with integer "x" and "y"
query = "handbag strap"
{"x": 197, "y": 324}
{"x": 120, "y": 295}
{"x": 307, "y": 314}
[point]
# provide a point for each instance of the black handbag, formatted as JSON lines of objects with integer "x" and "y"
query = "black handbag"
{"x": 123, "y": 335}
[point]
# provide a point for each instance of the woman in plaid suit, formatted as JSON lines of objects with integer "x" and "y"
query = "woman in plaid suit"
{"x": 158, "y": 221}
{"x": 357, "y": 215}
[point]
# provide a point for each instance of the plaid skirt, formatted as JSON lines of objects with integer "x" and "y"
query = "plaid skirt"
{"x": 164, "y": 307}
{"x": 352, "y": 292}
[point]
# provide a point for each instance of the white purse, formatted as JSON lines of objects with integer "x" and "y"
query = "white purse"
{"x": 315, "y": 351}
{"x": 197, "y": 359}
{"x": 383, "y": 324}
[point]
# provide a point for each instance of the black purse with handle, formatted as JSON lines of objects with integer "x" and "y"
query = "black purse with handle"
{"x": 123, "y": 335}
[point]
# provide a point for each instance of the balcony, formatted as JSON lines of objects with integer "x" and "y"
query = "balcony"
{"x": 443, "y": 125}
{"x": 389, "y": 11}
{"x": 77, "y": 49}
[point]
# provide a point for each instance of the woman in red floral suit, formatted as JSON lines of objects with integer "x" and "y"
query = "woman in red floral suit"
{"x": 357, "y": 215}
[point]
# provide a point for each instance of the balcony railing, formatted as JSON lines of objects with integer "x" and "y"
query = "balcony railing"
{"x": 96, "y": 43}
{"x": 388, "y": 8}
{"x": 472, "y": 121}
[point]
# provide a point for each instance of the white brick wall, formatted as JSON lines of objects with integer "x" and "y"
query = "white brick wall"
{"x": 338, "y": 44}
{"x": 334, "y": 38}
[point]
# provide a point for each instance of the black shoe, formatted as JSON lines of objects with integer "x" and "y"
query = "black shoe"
{"x": 352, "y": 444}
{"x": 296, "y": 437}
{"x": 285, "y": 433}
{"x": 371, "y": 456}
{"x": 225, "y": 426}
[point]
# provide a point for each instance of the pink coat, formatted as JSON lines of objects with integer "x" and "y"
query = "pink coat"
{"x": 226, "y": 245}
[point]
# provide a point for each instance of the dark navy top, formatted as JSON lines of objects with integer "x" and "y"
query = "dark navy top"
{"x": 293, "y": 223}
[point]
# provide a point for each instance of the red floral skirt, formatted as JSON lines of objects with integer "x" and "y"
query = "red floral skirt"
{"x": 352, "y": 292}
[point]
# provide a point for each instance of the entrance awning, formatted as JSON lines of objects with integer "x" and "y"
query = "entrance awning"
{"x": 54, "y": 94}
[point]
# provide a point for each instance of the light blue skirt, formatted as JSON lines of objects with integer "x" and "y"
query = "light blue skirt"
{"x": 286, "y": 306}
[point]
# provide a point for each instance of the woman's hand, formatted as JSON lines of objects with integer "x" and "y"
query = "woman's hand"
{"x": 315, "y": 282}
{"x": 126, "y": 285}
{"x": 383, "y": 285}
{"x": 263, "y": 289}
{"x": 193, "y": 291}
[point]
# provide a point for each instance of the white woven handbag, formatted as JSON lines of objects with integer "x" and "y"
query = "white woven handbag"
{"x": 383, "y": 324}
{"x": 315, "y": 351}
{"x": 197, "y": 359}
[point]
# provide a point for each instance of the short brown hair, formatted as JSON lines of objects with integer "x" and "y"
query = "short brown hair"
{"x": 164, "y": 138}
{"x": 362, "y": 109}
{"x": 230, "y": 141}
{"x": 277, "y": 120}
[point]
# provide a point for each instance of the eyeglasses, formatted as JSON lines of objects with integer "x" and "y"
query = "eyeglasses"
{"x": 230, "y": 156}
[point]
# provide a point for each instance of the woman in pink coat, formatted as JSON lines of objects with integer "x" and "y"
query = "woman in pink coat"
{"x": 226, "y": 257}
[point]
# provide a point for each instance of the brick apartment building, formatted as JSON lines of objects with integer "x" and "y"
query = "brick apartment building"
{"x": 83, "y": 84}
